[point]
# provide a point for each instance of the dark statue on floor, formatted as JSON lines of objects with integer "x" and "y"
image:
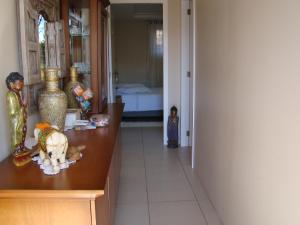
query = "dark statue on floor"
{"x": 173, "y": 121}
{"x": 16, "y": 107}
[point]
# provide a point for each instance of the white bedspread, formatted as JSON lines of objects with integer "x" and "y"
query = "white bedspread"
{"x": 138, "y": 98}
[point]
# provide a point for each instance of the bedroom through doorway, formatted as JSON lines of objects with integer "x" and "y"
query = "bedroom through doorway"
{"x": 137, "y": 61}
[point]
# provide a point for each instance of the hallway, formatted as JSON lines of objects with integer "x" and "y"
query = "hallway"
{"x": 158, "y": 186}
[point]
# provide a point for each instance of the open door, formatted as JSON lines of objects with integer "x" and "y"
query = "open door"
{"x": 186, "y": 75}
{"x": 193, "y": 80}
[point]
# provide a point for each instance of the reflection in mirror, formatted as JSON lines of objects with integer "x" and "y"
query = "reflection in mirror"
{"x": 42, "y": 34}
{"x": 79, "y": 28}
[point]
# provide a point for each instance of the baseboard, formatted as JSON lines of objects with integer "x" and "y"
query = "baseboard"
{"x": 142, "y": 124}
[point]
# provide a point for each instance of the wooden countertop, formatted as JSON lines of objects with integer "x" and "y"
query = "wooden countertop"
{"x": 85, "y": 179}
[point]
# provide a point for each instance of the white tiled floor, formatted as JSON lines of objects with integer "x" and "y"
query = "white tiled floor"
{"x": 158, "y": 186}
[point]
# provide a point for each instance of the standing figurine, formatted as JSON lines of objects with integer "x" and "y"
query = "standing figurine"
{"x": 16, "y": 106}
{"x": 173, "y": 121}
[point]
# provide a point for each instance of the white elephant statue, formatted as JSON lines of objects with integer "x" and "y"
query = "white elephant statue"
{"x": 53, "y": 147}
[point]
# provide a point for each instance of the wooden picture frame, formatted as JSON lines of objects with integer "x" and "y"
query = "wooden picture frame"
{"x": 28, "y": 12}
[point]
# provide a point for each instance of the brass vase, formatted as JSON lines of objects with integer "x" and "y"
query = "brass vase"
{"x": 53, "y": 101}
{"x": 72, "y": 102}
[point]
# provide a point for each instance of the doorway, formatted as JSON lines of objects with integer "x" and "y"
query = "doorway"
{"x": 137, "y": 58}
{"x": 169, "y": 61}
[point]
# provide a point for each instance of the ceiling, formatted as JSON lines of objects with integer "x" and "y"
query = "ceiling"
{"x": 137, "y": 11}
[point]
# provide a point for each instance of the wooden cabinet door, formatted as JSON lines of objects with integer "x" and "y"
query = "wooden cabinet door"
{"x": 103, "y": 60}
{"x": 61, "y": 52}
{"x": 49, "y": 211}
{"x": 29, "y": 41}
{"x": 55, "y": 47}
{"x": 114, "y": 176}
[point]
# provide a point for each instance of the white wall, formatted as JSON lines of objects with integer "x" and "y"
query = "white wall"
{"x": 131, "y": 40}
{"x": 248, "y": 109}
{"x": 8, "y": 63}
{"x": 174, "y": 52}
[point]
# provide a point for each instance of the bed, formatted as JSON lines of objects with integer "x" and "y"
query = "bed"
{"x": 141, "y": 101}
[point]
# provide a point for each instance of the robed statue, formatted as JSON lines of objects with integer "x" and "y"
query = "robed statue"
{"x": 16, "y": 106}
{"x": 173, "y": 122}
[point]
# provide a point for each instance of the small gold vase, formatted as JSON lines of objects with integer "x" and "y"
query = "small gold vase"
{"x": 43, "y": 75}
{"x": 53, "y": 101}
{"x": 72, "y": 102}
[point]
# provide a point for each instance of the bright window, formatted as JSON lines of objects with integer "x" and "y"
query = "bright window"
{"x": 159, "y": 37}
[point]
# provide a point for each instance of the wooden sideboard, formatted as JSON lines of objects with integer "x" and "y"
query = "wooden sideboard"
{"x": 84, "y": 194}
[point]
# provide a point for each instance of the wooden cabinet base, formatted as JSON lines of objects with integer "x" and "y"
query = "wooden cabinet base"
{"x": 45, "y": 211}
{"x": 84, "y": 194}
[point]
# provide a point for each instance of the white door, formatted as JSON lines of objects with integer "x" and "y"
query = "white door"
{"x": 193, "y": 79}
{"x": 185, "y": 131}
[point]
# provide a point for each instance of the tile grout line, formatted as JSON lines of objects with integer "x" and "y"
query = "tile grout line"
{"x": 143, "y": 150}
{"x": 172, "y": 201}
{"x": 191, "y": 186}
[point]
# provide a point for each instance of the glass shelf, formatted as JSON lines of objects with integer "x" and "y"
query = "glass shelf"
{"x": 87, "y": 45}
{"x": 80, "y": 35}
{"x": 79, "y": 29}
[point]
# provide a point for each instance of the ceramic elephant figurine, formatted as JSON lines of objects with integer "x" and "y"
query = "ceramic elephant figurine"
{"x": 53, "y": 146}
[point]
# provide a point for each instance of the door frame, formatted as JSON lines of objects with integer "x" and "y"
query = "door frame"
{"x": 165, "y": 55}
{"x": 166, "y": 64}
{"x": 188, "y": 119}
{"x": 194, "y": 74}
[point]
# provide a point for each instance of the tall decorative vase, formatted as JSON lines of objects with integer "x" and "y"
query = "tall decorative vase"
{"x": 72, "y": 102}
{"x": 53, "y": 101}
